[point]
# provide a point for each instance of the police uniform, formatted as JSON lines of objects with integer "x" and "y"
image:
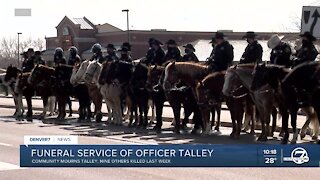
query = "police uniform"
{"x": 306, "y": 53}
{"x": 111, "y": 57}
{"x": 28, "y": 64}
{"x": 73, "y": 59}
{"x": 281, "y": 54}
{"x": 190, "y": 57}
{"x": 223, "y": 56}
{"x": 252, "y": 53}
{"x": 172, "y": 52}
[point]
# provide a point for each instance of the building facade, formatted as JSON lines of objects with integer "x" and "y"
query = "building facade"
{"x": 82, "y": 33}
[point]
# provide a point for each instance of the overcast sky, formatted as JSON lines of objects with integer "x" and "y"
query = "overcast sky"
{"x": 184, "y": 15}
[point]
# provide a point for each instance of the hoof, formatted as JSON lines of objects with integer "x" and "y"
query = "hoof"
{"x": 157, "y": 129}
{"x": 284, "y": 141}
{"x": 252, "y": 132}
{"x": 315, "y": 138}
{"x": 262, "y": 138}
{"x": 98, "y": 117}
{"x": 293, "y": 142}
{"x": 176, "y": 130}
{"x": 196, "y": 131}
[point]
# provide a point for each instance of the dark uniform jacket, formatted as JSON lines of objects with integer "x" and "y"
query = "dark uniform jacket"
{"x": 73, "y": 59}
{"x": 155, "y": 56}
{"x": 58, "y": 60}
{"x": 281, "y": 54}
{"x": 252, "y": 53}
{"x": 306, "y": 53}
{"x": 111, "y": 57}
{"x": 223, "y": 56}
{"x": 190, "y": 57}
{"x": 126, "y": 58}
{"x": 28, "y": 64}
{"x": 173, "y": 53}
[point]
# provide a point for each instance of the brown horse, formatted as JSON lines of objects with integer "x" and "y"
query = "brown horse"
{"x": 209, "y": 95}
{"x": 189, "y": 73}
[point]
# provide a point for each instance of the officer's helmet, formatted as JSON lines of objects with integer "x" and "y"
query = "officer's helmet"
{"x": 96, "y": 48}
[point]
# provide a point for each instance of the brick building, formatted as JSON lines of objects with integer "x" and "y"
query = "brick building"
{"x": 82, "y": 33}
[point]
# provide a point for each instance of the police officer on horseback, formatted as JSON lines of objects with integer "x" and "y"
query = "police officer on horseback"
{"x": 73, "y": 56}
{"x": 155, "y": 54}
{"x": 28, "y": 63}
{"x": 281, "y": 51}
{"x": 124, "y": 54}
{"x": 189, "y": 54}
{"x": 96, "y": 49}
{"x": 307, "y": 52}
{"x": 111, "y": 53}
{"x": 38, "y": 59}
{"x": 173, "y": 51}
{"x": 222, "y": 56}
{"x": 253, "y": 51}
{"x": 59, "y": 57}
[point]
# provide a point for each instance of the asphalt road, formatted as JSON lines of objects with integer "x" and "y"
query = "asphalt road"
{"x": 13, "y": 131}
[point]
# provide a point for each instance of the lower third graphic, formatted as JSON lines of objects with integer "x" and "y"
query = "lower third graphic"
{"x": 298, "y": 155}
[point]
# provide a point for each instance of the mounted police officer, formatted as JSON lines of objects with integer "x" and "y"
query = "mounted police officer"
{"x": 281, "y": 51}
{"x": 124, "y": 55}
{"x": 96, "y": 49}
{"x": 28, "y": 64}
{"x": 173, "y": 51}
{"x": 213, "y": 44}
{"x": 253, "y": 51}
{"x": 37, "y": 58}
{"x": 222, "y": 55}
{"x": 73, "y": 56}
{"x": 307, "y": 52}
{"x": 189, "y": 54}
{"x": 111, "y": 53}
{"x": 155, "y": 54}
{"x": 59, "y": 57}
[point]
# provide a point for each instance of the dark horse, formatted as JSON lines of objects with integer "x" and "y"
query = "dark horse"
{"x": 139, "y": 94}
{"x": 176, "y": 97}
{"x": 209, "y": 95}
{"x": 303, "y": 83}
{"x": 63, "y": 88}
{"x": 273, "y": 75}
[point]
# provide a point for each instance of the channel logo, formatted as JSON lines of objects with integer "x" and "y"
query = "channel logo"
{"x": 298, "y": 155}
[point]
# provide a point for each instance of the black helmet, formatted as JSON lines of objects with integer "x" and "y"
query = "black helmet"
{"x": 73, "y": 49}
{"x": 58, "y": 50}
{"x": 96, "y": 48}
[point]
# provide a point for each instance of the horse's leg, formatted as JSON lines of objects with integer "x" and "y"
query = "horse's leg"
{"x": 45, "y": 107}
{"x": 294, "y": 128}
{"x": 218, "y": 109}
{"x": 151, "y": 103}
{"x": 51, "y": 103}
{"x": 274, "y": 120}
{"x": 308, "y": 111}
{"x": 239, "y": 116}
{"x": 98, "y": 107}
{"x": 176, "y": 108}
{"x": 247, "y": 117}
{"x": 262, "y": 117}
{"x": 70, "y": 106}
{"x": 29, "y": 104}
{"x": 158, "y": 102}
{"x": 205, "y": 112}
{"x": 213, "y": 116}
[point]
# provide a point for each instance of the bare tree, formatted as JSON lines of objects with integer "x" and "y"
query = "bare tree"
{"x": 9, "y": 49}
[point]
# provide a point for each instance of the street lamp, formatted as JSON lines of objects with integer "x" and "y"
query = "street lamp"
{"x": 19, "y": 49}
{"x": 128, "y": 33}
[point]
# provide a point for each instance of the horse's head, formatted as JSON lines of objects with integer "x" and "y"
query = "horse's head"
{"x": 78, "y": 77}
{"x": 154, "y": 75}
{"x": 260, "y": 77}
{"x": 231, "y": 81}
{"x": 104, "y": 72}
{"x": 140, "y": 76}
{"x": 92, "y": 73}
{"x": 22, "y": 82}
{"x": 74, "y": 72}
{"x": 11, "y": 73}
{"x": 171, "y": 76}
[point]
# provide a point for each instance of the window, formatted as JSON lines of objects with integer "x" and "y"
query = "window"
{"x": 65, "y": 31}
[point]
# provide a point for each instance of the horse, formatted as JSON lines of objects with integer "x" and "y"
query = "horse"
{"x": 62, "y": 87}
{"x": 139, "y": 94}
{"x": 273, "y": 75}
{"x": 175, "y": 97}
{"x": 265, "y": 100}
{"x": 93, "y": 89}
{"x": 82, "y": 94}
{"x": 209, "y": 95}
{"x": 302, "y": 83}
{"x": 9, "y": 80}
{"x": 42, "y": 80}
{"x": 115, "y": 78}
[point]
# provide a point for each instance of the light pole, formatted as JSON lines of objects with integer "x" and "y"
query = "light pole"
{"x": 19, "y": 49}
{"x": 128, "y": 33}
